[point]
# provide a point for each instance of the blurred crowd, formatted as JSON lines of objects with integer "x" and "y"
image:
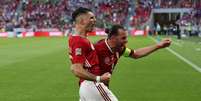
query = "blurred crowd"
{"x": 142, "y": 12}
{"x": 190, "y": 23}
{"x": 56, "y": 14}
{"x": 144, "y": 7}
{"x": 7, "y": 13}
{"x": 175, "y": 3}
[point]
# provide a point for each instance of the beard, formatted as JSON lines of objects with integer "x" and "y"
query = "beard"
{"x": 119, "y": 47}
{"x": 90, "y": 27}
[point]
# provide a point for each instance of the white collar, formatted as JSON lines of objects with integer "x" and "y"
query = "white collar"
{"x": 108, "y": 46}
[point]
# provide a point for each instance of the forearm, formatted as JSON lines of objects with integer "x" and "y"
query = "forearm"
{"x": 144, "y": 51}
{"x": 80, "y": 72}
{"x": 150, "y": 49}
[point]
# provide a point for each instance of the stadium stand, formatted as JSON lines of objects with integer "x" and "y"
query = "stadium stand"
{"x": 55, "y": 15}
{"x": 7, "y": 12}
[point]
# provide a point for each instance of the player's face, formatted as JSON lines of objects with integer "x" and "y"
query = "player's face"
{"x": 121, "y": 39}
{"x": 90, "y": 21}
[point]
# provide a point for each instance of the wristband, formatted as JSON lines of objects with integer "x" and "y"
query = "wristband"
{"x": 98, "y": 78}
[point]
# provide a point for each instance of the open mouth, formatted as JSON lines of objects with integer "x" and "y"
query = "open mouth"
{"x": 92, "y": 25}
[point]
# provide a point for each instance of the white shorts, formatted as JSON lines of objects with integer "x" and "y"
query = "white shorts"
{"x": 92, "y": 91}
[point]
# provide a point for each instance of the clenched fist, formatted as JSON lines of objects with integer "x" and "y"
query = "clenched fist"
{"x": 105, "y": 77}
{"x": 164, "y": 43}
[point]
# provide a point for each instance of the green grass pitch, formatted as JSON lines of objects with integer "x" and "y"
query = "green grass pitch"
{"x": 38, "y": 69}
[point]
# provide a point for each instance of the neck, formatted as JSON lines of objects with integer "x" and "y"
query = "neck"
{"x": 80, "y": 31}
{"x": 111, "y": 43}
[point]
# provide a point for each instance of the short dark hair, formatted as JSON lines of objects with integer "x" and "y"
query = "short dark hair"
{"x": 113, "y": 31}
{"x": 79, "y": 11}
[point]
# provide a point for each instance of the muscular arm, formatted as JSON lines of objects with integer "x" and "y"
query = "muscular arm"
{"x": 141, "y": 52}
{"x": 144, "y": 51}
{"x": 138, "y": 53}
{"x": 79, "y": 71}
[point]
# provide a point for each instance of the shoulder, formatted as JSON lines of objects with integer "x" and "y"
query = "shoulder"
{"x": 99, "y": 43}
{"x": 78, "y": 40}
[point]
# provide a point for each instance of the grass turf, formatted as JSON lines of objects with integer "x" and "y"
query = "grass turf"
{"x": 37, "y": 69}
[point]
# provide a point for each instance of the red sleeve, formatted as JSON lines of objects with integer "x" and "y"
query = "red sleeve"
{"x": 79, "y": 52}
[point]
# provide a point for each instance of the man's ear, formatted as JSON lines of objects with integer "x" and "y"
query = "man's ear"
{"x": 82, "y": 21}
{"x": 113, "y": 37}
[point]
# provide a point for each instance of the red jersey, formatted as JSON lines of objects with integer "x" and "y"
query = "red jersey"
{"x": 82, "y": 51}
{"x": 107, "y": 58}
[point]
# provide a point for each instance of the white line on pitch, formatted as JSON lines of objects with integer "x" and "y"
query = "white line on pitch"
{"x": 185, "y": 60}
{"x": 197, "y": 68}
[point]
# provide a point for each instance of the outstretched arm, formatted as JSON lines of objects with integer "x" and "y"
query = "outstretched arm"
{"x": 141, "y": 52}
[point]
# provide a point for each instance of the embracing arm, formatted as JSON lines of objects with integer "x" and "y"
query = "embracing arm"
{"x": 79, "y": 71}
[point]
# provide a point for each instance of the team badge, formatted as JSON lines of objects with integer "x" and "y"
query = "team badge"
{"x": 107, "y": 60}
{"x": 78, "y": 51}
